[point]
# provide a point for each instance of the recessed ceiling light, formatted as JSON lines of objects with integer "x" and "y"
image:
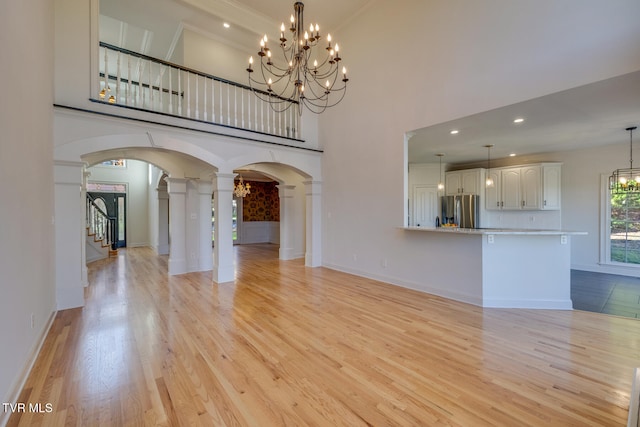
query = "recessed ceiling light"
{"x": 512, "y": 155}
{"x": 518, "y": 120}
{"x": 226, "y": 25}
{"x": 453, "y": 132}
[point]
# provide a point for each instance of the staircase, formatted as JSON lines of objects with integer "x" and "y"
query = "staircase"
{"x": 101, "y": 232}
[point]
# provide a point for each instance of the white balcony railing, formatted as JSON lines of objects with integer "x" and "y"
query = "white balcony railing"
{"x": 139, "y": 81}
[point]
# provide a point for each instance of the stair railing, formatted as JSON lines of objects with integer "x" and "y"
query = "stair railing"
{"x": 139, "y": 81}
{"x": 100, "y": 225}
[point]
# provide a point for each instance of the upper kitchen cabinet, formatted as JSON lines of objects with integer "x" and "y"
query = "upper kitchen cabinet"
{"x": 526, "y": 187}
{"x": 551, "y": 185}
{"x": 468, "y": 181}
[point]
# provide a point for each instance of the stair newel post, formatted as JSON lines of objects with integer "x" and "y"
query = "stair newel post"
{"x": 114, "y": 243}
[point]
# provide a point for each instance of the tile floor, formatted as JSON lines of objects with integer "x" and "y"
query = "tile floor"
{"x": 605, "y": 293}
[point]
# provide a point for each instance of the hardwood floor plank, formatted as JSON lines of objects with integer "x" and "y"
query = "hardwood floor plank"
{"x": 286, "y": 345}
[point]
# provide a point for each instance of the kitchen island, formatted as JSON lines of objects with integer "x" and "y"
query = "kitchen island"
{"x": 501, "y": 267}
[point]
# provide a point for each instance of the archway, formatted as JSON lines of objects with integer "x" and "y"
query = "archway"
{"x": 197, "y": 165}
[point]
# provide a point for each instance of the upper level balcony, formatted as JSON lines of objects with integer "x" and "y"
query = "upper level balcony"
{"x": 143, "y": 83}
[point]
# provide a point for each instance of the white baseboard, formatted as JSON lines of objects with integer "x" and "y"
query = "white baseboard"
{"x": 21, "y": 379}
{"x": 420, "y": 287}
{"x": 621, "y": 270}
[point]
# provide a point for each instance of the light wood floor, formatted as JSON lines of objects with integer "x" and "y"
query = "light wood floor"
{"x": 287, "y": 345}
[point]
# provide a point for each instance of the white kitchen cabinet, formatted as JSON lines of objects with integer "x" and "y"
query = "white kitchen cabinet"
{"x": 510, "y": 188}
{"x": 551, "y": 185}
{"x": 466, "y": 181}
{"x": 492, "y": 194}
{"x": 527, "y": 187}
{"x": 530, "y": 187}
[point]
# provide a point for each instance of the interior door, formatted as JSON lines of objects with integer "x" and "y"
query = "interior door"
{"x": 425, "y": 205}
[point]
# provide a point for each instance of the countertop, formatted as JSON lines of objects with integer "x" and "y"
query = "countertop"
{"x": 458, "y": 230}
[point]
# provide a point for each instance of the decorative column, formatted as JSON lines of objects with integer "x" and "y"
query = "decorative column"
{"x": 83, "y": 240}
{"x": 287, "y": 221}
{"x": 177, "y": 189}
{"x": 223, "y": 268}
{"x": 162, "y": 247}
{"x": 313, "y": 255}
{"x": 69, "y": 233}
{"x": 205, "y": 261}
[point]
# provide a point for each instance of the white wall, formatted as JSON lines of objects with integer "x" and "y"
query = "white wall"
{"x": 136, "y": 178}
{"x": 211, "y": 56}
{"x": 441, "y": 61}
{"x": 26, "y": 172}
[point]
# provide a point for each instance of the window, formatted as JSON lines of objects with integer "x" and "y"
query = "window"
{"x": 624, "y": 231}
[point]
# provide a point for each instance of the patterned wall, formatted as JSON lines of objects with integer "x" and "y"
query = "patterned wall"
{"x": 263, "y": 203}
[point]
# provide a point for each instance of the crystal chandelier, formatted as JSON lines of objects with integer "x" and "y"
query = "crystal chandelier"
{"x": 626, "y": 180}
{"x": 307, "y": 73}
{"x": 241, "y": 189}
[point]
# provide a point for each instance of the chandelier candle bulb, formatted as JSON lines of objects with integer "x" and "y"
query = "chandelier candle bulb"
{"x": 301, "y": 83}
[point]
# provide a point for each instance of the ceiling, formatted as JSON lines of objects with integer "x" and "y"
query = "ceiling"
{"x": 154, "y": 27}
{"x": 586, "y": 116}
{"x": 591, "y": 115}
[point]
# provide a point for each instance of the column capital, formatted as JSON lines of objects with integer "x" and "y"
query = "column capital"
{"x": 285, "y": 190}
{"x": 205, "y": 187}
{"x": 223, "y": 181}
{"x": 176, "y": 185}
{"x": 313, "y": 187}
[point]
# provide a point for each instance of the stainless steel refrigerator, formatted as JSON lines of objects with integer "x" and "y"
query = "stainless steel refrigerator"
{"x": 461, "y": 210}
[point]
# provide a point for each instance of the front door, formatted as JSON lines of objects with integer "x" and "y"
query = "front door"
{"x": 116, "y": 208}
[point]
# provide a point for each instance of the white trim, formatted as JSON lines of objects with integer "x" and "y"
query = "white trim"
{"x": 419, "y": 287}
{"x": 606, "y": 265}
{"x": 21, "y": 380}
{"x": 634, "y": 400}
{"x": 605, "y": 222}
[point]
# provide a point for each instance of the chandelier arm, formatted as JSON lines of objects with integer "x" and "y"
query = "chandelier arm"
{"x": 266, "y": 66}
{"x": 331, "y": 88}
{"x": 332, "y": 104}
{"x": 302, "y": 79}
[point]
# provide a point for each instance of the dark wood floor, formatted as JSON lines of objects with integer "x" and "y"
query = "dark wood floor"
{"x": 606, "y": 293}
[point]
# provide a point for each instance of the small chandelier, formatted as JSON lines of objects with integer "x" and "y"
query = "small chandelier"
{"x": 626, "y": 180}
{"x": 241, "y": 189}
{"x": 440, "y": 183}
{"x": 306, "y": 74}
{"x": 489, "y": 181}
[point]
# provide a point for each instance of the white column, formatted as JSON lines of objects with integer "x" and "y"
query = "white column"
{"x": 313, "y": 255}
{"x": 177, "y": 189}
{"x": 162, "y": 247}
{"x": 287, "y": 221}
{"x": 223, "y": 268}
{"x": 69, "y": 233}
{"x": 205, "y": 261}
{"x": 83, "y": 240}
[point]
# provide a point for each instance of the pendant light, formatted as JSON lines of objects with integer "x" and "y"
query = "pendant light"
{"x": 626, "y": 180}
{"x": 489, "y": 181}
{"x": 440, "y": 183}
